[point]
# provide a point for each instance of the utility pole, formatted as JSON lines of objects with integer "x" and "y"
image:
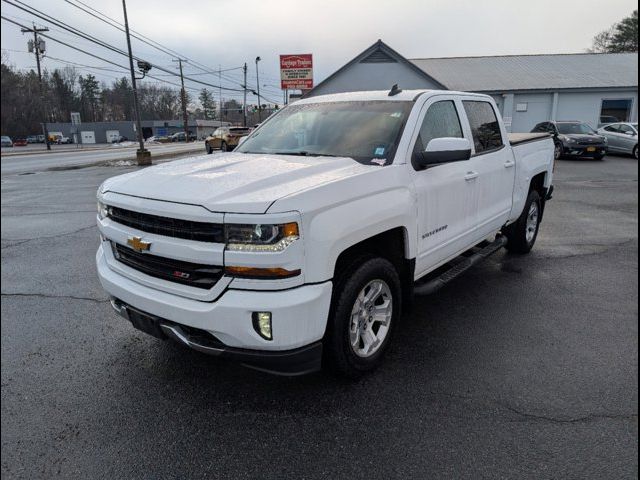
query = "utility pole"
{"x": 142, "y": 154}
{"x": 244, "y": 102}
{"x": 220, "y": 91}
{"x": 38, "y": 51}
{"x": 258, "y": 84}
{"x": 183, "y": 98}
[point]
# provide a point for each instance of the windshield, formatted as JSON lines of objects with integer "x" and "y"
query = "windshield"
{"x": 366, "y": 131}
{"x": 575, "y": 129}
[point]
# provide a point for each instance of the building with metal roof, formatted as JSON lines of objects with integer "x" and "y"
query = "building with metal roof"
{"x": 592, "y": 87}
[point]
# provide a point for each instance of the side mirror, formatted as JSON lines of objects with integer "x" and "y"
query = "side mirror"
{"x": 241, "y": 140}
{"x": 444, "y": 150}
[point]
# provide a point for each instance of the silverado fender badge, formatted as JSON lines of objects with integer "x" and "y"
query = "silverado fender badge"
{"x": 138, "y": 244}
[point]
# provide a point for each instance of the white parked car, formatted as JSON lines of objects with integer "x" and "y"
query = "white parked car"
{"x": 622, "y": 137}
{"x": 302, "y": 247}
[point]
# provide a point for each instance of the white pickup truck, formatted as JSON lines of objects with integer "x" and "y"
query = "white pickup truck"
{"x": 302, "y": 247}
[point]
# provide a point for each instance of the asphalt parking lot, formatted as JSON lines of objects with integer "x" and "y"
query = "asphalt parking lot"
{"x": 526, "y": 367}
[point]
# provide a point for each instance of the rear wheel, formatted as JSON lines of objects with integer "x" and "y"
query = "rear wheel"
{"x": 364, "y": 312}
{"x": 522, "y": 234}
{"x": 635, "y": 152}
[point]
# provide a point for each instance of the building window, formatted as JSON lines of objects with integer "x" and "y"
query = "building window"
{"x": 618, "y": 110}
{"x": 522, "y": 107}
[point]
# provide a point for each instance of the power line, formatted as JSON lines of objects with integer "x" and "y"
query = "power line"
{"x": 158, "y": 46}
{"x": 93, "y": 55}
{"x": 103, "y": 44}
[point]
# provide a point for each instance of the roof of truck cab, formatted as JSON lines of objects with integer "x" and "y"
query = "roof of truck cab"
{"x": 378, "y": 95}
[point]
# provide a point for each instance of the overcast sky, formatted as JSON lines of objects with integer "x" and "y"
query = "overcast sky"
{"x": 228, "y": 33}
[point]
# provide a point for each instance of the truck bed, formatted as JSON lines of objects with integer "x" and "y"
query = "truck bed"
{"x": 519, "y": 138}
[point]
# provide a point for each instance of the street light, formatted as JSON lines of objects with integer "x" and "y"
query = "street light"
{"x": 258, "y": 84}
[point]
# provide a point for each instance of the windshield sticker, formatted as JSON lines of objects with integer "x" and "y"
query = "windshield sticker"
{"x": 379, "y": 161}
{"x": 379, "y": 151}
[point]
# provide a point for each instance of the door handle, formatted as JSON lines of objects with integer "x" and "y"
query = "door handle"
{"x": 509, "y": 164}
{"x": 471, "y": 176}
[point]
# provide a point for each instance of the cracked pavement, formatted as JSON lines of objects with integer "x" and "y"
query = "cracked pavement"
{"x": 525, "y": 367}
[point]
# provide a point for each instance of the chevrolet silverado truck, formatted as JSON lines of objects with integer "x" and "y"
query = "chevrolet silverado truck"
{"x": 302, "y": 247}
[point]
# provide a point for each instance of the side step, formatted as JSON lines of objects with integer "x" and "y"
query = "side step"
{"x": 465, "y": 264}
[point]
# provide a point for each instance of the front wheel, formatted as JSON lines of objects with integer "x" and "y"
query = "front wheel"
{"x": 521, "y": 235}
{"x": 224, "y": 147}
{"x": 557, "y": 152}
{"x": 208, "y": 148}
{"x": 364, "y": 312}
{"x": 635, "y": 152}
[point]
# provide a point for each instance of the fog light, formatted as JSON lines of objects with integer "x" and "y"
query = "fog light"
{"x": 262, "y": 324}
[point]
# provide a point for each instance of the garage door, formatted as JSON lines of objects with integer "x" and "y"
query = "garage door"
{"x": 112, "y": 135}
{"x": 88, "y": 136}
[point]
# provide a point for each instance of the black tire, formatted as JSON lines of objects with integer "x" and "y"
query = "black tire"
{"x": 557, "y": 153}
{"x": 516, "y": 233}
{"x": 208, "y": 148}
{"x": 635, "y": 152}
{"x": 339, "y": 355}
{"x": 599, "y": 157}
{"x": 224, "y": 147}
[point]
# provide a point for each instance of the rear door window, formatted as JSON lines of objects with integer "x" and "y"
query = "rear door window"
{"x": 484, "y": 124}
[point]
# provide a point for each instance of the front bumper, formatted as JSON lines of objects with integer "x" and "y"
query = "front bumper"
{"x": 299, "y": 361}
{"x": 574, "y": 150}
{"x": 299, "y": 315}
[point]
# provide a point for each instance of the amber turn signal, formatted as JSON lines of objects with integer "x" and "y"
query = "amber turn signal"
{"x": 265, "y": 273}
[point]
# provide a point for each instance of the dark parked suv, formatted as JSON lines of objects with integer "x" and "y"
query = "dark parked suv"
{"x": 574, "y": 139}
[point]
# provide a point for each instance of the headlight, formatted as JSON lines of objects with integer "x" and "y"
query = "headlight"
{"x": 260, "y": 237}
{"x": 103, "y": 210}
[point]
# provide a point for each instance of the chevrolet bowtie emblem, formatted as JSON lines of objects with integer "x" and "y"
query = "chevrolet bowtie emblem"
{"x": 138, "y": 244}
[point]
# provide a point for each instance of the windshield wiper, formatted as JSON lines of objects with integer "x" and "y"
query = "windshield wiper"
{"x": 304, "y": 153}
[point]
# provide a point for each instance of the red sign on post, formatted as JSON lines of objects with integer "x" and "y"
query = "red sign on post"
{"x": 296, "y": 72}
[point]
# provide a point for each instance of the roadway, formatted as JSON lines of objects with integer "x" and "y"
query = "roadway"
{"x": 525, "y": 367}
{"x": 27, "y": 161}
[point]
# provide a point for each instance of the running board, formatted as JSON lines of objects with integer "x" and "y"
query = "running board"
{"x": 465, "y": 264}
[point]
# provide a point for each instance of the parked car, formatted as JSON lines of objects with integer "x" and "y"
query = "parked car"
{"x": 40, "y": 139}
{"x": 180, "y": 137}
{"x": 20, "y": 142}
{"x": 6, "y": 141}
{"x": 574, "y": 139}
{"x": 32, "y": 139}
{"x": 607, "y": 119}
{"x": 119, "y": 139}
{"x": 59, "y": 138}
{"x": 622, "y": 137}
{"x": 303, "y": 246}
{"x": 225, "y": 138}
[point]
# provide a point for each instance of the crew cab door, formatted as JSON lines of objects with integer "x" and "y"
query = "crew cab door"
{"x": 446, "y": 193}
{"x": 494, "y": 162}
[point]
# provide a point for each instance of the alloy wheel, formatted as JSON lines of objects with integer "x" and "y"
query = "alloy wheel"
{"x": 370, "y": 318}
{"x": 532, "y": 222}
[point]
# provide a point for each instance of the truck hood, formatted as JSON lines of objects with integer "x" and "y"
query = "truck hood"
{"x": 234, "y": 182}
